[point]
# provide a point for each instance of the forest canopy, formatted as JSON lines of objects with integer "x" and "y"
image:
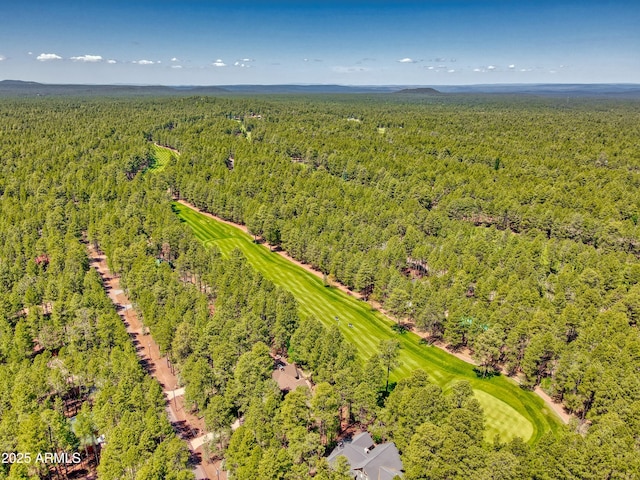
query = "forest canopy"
{"x": 503, "y": 225}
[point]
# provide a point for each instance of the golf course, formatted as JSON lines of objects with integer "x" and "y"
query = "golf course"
{"x": 509, "y": 410}
{"x": 161, "y": 156}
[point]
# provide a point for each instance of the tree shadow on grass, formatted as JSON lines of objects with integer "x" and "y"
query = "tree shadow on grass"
{"x": 401, "y": 328}
{"x": 491, "y": 373}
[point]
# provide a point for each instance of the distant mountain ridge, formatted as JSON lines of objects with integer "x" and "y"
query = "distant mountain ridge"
{"x": 631, "y": 90}
{"x": 21, "y": 88}
{"x": 293, "y": 88}
{"x": 420, "y": 90}
{"x": 608, "y": 90}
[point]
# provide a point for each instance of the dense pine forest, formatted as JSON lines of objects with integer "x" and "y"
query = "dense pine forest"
{"x": 502, "y": 226}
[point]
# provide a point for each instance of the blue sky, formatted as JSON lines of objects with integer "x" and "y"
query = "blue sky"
{"x": 349, "y": 42}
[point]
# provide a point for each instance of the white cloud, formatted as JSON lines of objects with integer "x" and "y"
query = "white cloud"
{"x": 512, "y": 66}
{"x": 431, "y": 67}
{"x": 87, "y": 58}
{"x": 2, "y": 57}
{"x": 219, "y": 63}
{"x": 478, "y": 70}
{"x": 246, "y": 60}
{"x": 354, "y": 69}
{"x": 407, "y": 60}
{"x": 451, "y": 70}
{"x": 305, "y": 59}
{"x": 111, "y": 61}
{"x": 176, "y": 66}
{"x": 491, "y": 67}
{"x": 144, "y": 62}
{"x": 29, "y": 53}
{"x": 175, "y": 59}
{"x": 45, "y": 57}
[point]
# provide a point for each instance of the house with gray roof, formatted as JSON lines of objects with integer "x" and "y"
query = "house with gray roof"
{"x": 367, "y": 460}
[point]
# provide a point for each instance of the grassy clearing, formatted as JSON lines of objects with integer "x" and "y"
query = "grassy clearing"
{"x": 162, "y": 157}
{"x": 509, "y": 410}
{"x": 246, "y": 133}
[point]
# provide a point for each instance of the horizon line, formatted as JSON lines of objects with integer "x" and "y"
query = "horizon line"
{"x": 397, "y": 85}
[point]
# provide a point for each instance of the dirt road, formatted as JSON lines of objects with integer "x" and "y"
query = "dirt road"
{"x": 188, "y": 427}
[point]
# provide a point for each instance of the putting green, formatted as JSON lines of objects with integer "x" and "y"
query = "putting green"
{"x": 509, "y": 410}
{"x": 501, "y": 419}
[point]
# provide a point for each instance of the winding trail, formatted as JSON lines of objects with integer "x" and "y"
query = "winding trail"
{"x": 177, "y": 152}
{"x": 556, "y": 407}
{"x": 187, "y": 426}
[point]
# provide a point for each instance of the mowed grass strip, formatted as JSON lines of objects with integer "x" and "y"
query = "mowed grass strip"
{"x": 162, "y": 156}
{"x": 509, "y": 410}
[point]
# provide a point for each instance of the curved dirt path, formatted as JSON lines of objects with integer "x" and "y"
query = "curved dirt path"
{"x": 168, "y": 148}
{"x": 188, "y": 427}
{"x": 556, "y": 407}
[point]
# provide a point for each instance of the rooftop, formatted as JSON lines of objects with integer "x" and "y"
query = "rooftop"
{"x": 368, "y": 461}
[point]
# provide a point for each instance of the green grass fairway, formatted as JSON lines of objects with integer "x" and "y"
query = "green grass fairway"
{"x": 162, "y": 156}
{"x": 509, "y": 410}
